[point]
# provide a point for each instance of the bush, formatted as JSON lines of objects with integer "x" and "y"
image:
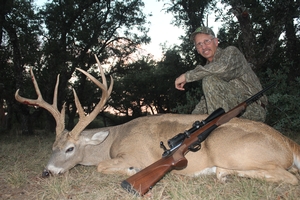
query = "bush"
{"x": 283, "y": 108}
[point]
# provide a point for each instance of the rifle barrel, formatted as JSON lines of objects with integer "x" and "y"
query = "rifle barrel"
{"x": 258, "y": 95}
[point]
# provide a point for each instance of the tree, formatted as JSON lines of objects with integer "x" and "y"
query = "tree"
{"x": 189, "y": 15}
{"x": 133, "y": 87}
{"x": 149, "y": 84}
{"x": 255, "y": 27}
{"x": 57, "y": 38}
{"x": 292, "y": 29}
{"x": 20, "y": 47}
{"x": 167, "y": 70}
{"x": 258, "y": 25}
{"x": 77, "y": 29}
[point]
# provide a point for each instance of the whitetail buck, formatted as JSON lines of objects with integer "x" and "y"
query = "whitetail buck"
{"x": 241, "y": 146}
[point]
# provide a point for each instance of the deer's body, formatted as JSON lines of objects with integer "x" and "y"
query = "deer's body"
{"x": 241, "y": 146}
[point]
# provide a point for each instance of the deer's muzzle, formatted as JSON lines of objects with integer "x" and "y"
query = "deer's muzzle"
{"x": 46, "y": 173}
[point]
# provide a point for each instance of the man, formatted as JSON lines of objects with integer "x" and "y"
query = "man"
{"x": 227, "y": 78}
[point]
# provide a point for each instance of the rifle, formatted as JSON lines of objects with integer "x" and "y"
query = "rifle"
{"x": 181, "y": 144}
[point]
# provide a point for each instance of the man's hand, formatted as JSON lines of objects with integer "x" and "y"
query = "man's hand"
{"x": 180, "y": 82}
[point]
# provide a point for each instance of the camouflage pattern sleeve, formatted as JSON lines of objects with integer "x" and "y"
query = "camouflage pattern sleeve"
{"x": 227, "y": 65}
{"x": 226, "y": 81}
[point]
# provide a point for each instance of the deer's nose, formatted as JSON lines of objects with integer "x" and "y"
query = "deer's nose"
{"x": 46, "y": 173}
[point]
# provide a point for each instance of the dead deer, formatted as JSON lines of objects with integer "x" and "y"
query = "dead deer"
{"x": 242, "y": 147}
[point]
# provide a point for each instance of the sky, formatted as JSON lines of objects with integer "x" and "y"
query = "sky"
{"x": 161, "y": 31}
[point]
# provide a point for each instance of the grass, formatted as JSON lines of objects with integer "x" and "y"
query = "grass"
{"x": 22, "y": 160}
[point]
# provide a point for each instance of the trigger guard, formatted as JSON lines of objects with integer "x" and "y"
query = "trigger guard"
{"x": 195, "y": 147}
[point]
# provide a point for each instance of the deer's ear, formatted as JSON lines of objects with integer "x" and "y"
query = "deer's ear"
{"x": 96, "y": 138}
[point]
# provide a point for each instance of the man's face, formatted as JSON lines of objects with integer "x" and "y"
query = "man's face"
{"x": 206, "y": 45}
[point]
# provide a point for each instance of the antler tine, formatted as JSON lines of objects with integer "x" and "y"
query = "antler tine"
{"x": 101, "y": 71}
{"x": 104, "y": 78}
{"x": 78, "y": 105}
{"x": 84, "y": 120}
{"x": 58, "y": 116}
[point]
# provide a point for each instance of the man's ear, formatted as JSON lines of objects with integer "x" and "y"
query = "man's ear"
{"x": 216, "y": 41}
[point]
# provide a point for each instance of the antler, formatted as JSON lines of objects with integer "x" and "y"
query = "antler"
{"x": 58, "y": 116}
{"x": 84, "y": 120}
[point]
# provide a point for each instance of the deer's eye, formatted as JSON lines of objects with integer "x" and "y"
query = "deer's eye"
{"x": 69, "y": 149}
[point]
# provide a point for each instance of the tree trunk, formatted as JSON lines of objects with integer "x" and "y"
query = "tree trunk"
{"x": 18, "y": 69}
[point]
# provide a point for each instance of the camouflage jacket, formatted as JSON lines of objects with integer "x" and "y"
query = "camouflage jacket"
{"x": 230, "y": 65}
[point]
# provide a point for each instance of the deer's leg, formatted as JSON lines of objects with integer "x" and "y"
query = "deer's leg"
{"x": 276, "y": 174}
{"x": 117, "y": 165}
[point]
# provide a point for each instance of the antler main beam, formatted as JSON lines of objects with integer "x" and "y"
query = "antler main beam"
{"x": 58, "y": 116}
{"x": 84, "y": 120}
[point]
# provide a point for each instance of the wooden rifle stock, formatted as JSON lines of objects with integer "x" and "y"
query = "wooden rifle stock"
{"x": 141, "y": 182}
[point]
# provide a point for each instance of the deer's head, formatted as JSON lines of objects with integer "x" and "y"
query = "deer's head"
{"x": 68, "y": 145}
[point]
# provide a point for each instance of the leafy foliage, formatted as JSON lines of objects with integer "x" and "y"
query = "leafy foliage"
{"x": 284, "y": 109}
{"x": 192, "y": 99}
{"x": 63, "y": 35}
{"x": 146, "y": 84}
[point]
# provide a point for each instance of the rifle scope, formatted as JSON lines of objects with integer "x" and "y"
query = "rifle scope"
{"x": 179, "y": 138}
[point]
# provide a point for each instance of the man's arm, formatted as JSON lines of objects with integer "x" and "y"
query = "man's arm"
{"x": 227, "y": 64}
